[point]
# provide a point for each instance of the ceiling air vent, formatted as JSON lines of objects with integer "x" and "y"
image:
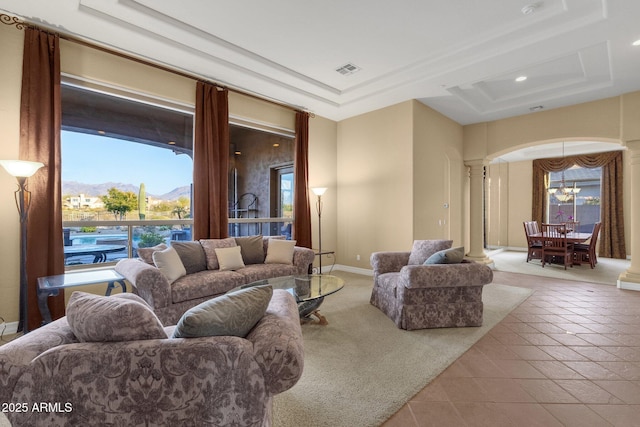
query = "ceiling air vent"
{"x": 348, "y": 69}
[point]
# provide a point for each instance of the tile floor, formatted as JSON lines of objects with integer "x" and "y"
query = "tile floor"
{"x": 567, "y": 356}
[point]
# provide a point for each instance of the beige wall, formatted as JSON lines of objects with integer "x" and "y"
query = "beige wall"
{"x": 323, "y": 172}
{"x": 438, "y": 176}
{"x": 509, "y": 187}
{"x": 375, "y": 183}
{"x": 10, "y": 83}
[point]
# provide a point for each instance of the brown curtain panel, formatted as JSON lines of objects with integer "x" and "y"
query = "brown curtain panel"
{"x": 611, "y": 208}
{"x": 301, "y": 210}
{"x": 40, "y": 123}
{"x": 211, "y": 163}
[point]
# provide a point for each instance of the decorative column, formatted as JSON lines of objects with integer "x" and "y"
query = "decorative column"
{"x": 630, "y": 279}
{"x": 476, "y": 230}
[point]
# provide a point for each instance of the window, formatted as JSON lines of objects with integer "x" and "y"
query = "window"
{"x": 126, "y": 174}
{"x": 260, "y": 182}
{"x": 582, "y": 200}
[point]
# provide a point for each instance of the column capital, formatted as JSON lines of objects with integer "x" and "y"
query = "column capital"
{"x": 477, "y": 162}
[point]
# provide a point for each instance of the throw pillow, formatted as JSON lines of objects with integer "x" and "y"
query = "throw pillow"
{"x": 229, "y": 258}
{"x": 423, "y": 249}
{"x": 146, "y": 254}
{"x": 251, "y": 249}
{"x": 192, "y": 256}
{"x": 95, "y": 318}
{"x": 280, "y": 252}
{"x": 210, "y": 245}
{"x": 265, "y": 242}
{"x": 169, "y": 263}
{"x": 235, "y": 313}
{"x": 447, "y": 256}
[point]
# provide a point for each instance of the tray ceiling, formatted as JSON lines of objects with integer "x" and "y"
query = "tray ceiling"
{"x": 459, "y": 57}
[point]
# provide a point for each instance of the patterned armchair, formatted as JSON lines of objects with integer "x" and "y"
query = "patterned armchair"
{"x": 48, "y": 378}
{"x": 428, "y": 296}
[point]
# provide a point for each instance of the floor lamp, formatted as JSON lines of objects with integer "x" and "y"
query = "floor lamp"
{"x": 319, "y": 191}
{"x": 22, "y": 170}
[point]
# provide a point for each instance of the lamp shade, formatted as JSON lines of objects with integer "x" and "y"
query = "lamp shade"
{"x": 319, "y": 191}
{"x": 21, "y": 168}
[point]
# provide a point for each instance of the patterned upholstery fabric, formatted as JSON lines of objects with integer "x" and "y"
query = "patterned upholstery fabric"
{"x": 164, "y": 382}
{"x": 423, "y": 249}
{"x": 96, "y": 318}
{"x": 428, "y": 296}
{"x": 170, "y": 301}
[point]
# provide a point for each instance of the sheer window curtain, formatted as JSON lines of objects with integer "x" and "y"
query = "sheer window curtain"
{"x": 40, "y": 124}
{"x": 211, "y": 163}
{"x": 301, "y": 210}
{"x": 612, "y": 243}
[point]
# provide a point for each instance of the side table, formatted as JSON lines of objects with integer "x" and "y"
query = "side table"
{"x": 329, "y": 254}
{"x": 51, "y": 285}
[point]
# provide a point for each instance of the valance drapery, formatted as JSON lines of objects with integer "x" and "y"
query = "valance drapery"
{"x": 612, "y": 243}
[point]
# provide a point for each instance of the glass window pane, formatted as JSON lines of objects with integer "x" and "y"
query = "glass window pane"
{"x": 581, "y": 199}
{"x": 123, "y": 160}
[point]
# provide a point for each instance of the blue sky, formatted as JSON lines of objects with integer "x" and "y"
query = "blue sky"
{"x": 93, "y": 159}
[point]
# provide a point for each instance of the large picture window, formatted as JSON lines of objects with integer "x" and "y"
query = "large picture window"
{"x": 126, "y": 174}
{"x": 260, "y": 182}
{"x": 575, "y": 196}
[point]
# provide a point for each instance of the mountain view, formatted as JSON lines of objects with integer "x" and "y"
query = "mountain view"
{"x": 76, "y": 188}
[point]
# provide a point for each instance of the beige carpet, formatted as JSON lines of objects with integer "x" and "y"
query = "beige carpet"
{"x": 360, "y": 369}
{"x": 606, "y": 271}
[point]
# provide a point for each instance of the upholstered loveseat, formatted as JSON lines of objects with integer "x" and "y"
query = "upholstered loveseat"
{"x": 416, "y": 295}
{"x": 204, "y": 276}
{"x": 50, "y": 378}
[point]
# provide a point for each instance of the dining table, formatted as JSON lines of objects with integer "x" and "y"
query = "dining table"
{"x": 572, "y": 236}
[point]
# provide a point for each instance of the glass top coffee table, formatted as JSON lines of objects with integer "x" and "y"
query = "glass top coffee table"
{"x": 309, "y": 291}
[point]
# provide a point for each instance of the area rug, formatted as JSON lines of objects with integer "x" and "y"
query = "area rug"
{"x": 360, "y": 369}
{"x": 606, "y": 272}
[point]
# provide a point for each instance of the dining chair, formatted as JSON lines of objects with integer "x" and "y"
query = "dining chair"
{"x": 555, "y": 245}
{"x": 587, "y": 252}
{"x": 534, "y": 245}
{"x": 572, "y": 225}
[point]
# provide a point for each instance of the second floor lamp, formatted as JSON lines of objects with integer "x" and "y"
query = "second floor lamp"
{"x": 22, "y": 170}
{"x": 319, "y": 191}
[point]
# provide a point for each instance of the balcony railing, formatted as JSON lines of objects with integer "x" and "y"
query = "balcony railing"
{"x": 102, "y": 243}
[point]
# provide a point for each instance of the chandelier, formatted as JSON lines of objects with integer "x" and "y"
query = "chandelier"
{"x": 563, "y": 193}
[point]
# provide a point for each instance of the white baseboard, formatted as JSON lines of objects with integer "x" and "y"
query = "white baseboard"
{"x": 355, "y": 270}
{"x": 8, "y": 328}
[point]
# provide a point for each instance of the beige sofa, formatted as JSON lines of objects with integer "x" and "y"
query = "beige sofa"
{"x": 49, "y": 378}
{"x": 170, "y": 300}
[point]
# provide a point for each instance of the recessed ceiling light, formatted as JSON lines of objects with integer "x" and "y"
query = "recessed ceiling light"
{"x": 521, "y": 78}
{"x": 636, "y": 43}
{"x": 101, "y": 132}
{"x": 171, "y": 143}
{"x": 237, "y": 153}
{"x": 276, "y": 145}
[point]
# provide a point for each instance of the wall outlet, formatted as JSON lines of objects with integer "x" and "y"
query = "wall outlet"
{"x": 358, "y": 257}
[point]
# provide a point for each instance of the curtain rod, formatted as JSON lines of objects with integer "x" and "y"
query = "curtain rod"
{"x": 20, "y": 25}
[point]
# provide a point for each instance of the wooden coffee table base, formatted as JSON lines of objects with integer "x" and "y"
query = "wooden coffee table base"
{"x": 308, "y": 319}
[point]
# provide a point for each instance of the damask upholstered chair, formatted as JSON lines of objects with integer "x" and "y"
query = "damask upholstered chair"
{"x": 418, "y": 294}
{"x": 136, "y": 375}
